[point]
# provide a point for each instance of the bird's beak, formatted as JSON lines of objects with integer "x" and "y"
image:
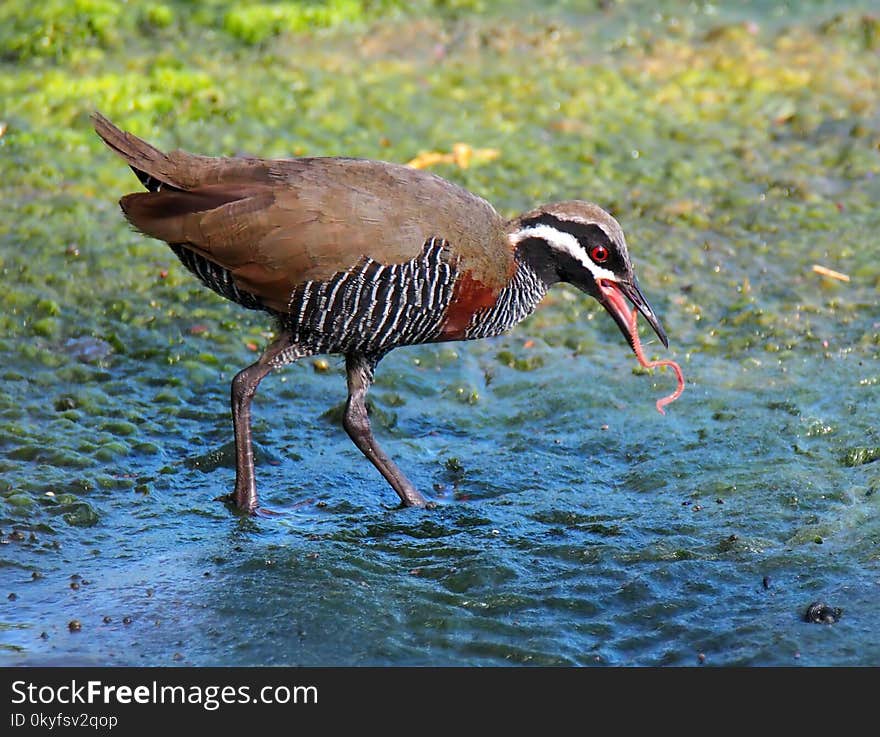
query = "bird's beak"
{"x": 613, "y": 296}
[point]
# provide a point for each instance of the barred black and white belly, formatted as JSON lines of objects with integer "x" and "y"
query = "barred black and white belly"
{"x": 215, "y": 277}
{"x": 372, "y": 308}
{"x": 515, "y": 303}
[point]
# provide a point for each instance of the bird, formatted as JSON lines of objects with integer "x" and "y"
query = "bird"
{"x": 358, "y": 257}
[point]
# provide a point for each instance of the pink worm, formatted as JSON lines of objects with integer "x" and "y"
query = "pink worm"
{"x": 640, "y": 355}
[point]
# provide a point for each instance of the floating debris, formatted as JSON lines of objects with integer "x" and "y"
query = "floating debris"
{"x": 830, "y": 273}
{"x": 88, "y": 349}
{"x": 820, "y": 613}
{"x": 462, "y": 155}
{"x": 64, "y": 404}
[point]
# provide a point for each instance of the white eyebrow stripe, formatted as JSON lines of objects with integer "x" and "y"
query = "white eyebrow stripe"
{"x": 564, "y": 243}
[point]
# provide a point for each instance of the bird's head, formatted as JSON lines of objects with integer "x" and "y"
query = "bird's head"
{"x": 579, "y": 243}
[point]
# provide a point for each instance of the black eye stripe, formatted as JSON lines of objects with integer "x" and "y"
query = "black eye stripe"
{"x": 587, "y": 234}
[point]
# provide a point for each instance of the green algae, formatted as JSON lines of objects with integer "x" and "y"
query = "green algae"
{"x": 860, "y": 456}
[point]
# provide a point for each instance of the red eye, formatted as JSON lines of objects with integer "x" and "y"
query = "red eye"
{"x": 599, "y": 254}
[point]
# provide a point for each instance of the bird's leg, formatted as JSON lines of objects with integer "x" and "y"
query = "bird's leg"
{"x": 244, "y": 386}
{"x": 357, "y": 425}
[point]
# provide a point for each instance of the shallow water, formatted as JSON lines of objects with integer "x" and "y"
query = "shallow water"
{"x": 575, "y": 525}
{"x": 556, "y": 542}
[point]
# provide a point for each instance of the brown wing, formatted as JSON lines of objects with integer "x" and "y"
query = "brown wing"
{"x": 275, "y": 224}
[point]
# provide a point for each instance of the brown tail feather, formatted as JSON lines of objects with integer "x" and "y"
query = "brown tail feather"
{"x": 179, "y": 169}
{"x": 142, "y": 156}
{"x": 167, "y": 215}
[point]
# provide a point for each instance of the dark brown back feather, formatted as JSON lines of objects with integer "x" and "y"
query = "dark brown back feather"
{"x": 274, "y": 224}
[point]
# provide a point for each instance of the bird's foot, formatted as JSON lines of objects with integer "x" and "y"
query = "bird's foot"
{"x": 243, "y": 504}
{"x": 231, "y": 501}
{"x": 415, "y": 499}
